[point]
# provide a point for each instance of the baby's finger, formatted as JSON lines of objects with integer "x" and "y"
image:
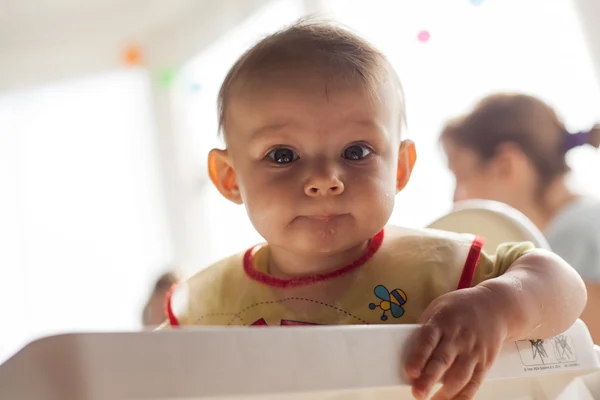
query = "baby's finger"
{"x": 441, "y": 360}
{"x": 456, "y": 378}
{"x": 425, "y": 341}
{"x": 470, "y": 389}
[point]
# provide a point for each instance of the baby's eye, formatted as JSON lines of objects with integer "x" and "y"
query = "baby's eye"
{"x": 282, "y": 155}
{"x": 356, "y": 152}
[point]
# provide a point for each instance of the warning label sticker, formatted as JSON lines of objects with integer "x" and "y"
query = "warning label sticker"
{"x": 556, "y": 350}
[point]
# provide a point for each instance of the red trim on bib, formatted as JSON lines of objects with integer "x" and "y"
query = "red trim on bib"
{"x": 260, "y": 276}
{"x": 170, "y": 314}
{"x": 466, "y": 278}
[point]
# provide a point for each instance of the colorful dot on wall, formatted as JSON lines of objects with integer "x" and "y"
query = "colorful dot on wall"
{"x": 424, "y": 36}
{"x": 195, "y": 87}
{"x": 167, "y": 76}
{"x": 133, "y": 55}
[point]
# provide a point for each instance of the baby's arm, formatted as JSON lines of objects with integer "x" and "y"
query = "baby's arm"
{"x": 543, "y": 295}
{"x": 538, "y": 296}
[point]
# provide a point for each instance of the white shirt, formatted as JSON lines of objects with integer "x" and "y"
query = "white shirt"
{"x": 574, "y": 234}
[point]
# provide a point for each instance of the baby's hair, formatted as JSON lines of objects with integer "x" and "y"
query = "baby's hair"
{"x": 310, "y": 42}
{"x": 524, "y": 121}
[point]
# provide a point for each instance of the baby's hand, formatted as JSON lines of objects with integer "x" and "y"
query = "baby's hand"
{"x": 461, "y": 336}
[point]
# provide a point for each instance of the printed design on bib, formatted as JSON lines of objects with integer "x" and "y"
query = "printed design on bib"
{"x": 243, "y": 318}
{"x": 260, "y": 322}
{"x": 391, "y": 301}
{"x": 283, "y": 322}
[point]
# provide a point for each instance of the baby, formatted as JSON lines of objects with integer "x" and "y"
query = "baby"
{"x": 313, "y": 117}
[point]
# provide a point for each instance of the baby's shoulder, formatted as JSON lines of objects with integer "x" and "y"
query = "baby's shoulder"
{"x": 227, "y": 268}
{"x": 397, "y": 235}
{"x": 425, "y": 246}
{"x": 426, "y": 261}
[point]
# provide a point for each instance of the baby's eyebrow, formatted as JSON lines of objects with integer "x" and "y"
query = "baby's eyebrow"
{"x": 368, "y": 124}
{"x": 263, "y": 130}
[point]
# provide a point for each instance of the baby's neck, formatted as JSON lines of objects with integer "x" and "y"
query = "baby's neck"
{"x": 284, "y": 263}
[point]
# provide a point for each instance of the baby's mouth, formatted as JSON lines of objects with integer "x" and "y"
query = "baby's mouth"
{"x": 321, "y": 217}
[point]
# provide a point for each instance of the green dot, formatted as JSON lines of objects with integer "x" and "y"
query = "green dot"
{"x": 167, "y": 76}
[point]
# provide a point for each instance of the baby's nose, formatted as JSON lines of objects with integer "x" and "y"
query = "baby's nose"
{"x": 331, "y": 186}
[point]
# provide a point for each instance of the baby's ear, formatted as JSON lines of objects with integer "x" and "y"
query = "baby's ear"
{"x": 407, "y": 156}
{"x": 223, "y": 176}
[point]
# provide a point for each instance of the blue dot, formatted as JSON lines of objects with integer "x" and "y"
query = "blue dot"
{"x": 195, "y": 87}
{"x": 384, "y": 317}
{"x": 372, "y": 306}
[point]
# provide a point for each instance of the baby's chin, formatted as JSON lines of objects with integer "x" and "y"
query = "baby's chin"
{"x": 322, "y": 236}
{"x": 327, "y": 242}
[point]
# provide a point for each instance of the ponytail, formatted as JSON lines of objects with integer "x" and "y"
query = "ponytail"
{"x": 578, "y": 139}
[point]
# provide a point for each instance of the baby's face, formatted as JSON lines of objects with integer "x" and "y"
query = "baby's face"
{"x": 315, "y": 160}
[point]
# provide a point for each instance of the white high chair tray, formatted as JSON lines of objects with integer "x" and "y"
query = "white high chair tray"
{"x": 349, "y": 362}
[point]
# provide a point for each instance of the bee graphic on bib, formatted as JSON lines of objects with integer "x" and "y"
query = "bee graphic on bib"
{"x": 391, "y": 301}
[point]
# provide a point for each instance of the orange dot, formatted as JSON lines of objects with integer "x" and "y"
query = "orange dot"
{"x": 132, "y": 55}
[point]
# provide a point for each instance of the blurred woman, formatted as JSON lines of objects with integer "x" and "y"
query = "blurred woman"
{"x": 154, "y": 312}
{"x": 512, "y": 148}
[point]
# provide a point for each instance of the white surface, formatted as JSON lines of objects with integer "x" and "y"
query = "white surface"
{"x": 43, "y": 41}
{"x": 82, "y": 225}
{"x": 240, "y": 363}
{"x": 588, "y": 12}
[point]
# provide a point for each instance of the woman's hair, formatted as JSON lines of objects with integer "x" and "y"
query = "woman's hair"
{"x": 524, "y": 121}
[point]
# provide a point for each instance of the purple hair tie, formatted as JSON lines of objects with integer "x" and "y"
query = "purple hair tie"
{"x": 577, "y": 139}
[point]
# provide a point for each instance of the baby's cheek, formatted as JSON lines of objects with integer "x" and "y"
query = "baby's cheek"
{"x": 385, "y": 188}
{"x": 386, "y": 204}
{"x": 268, "y": 212}
{"x": 263, "y": 220}
{"x": 378, "y": 201}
